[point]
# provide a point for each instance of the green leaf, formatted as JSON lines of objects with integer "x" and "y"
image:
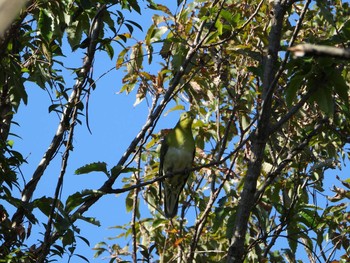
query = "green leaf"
{"x": 149, "y": 49}
{"x": 44, "y": 204}
{"x": 57, "y": 250}
{"x": 149, "y": 34}
{"x": 292, "y": 231}
{"x": 118, "y": 169}
{"x": 134, "y": 5}
{"x": 164, "y": 9}
{"x": 121, "y": 58}
{"x": 74, "y": 34}
{"x": 45, "y": 24}
{"x": 135, "y": 62}
{"x": 82, "y": 257}
{"x": 109, "y": 21}
{"x": 325, "y": 11}
{"x": 73, "y": 201}
{"x": 124, "y": 37}
{"x": 53, "y": 107}
{"x": 175, "y": 108}
{"x": 92, "y": 167}
{"x": 19, "y": 92}
{"x": 90, "y": 220}
{"x": 308, "y": 217}
{"x": 346, "y": 29}
{"x": 229, "y": 17}
{"x": 135, "y": 24}
{"x": 219, "y": 26}
{"x": 85, "y": 240}
{"x": 79, "y": 198}
{"x": 294, "y": 85}
{"x": 324, "y": 99}
{"x": 109, "y": 49}
{"x": 130, "y": 28}
{"x": 144, "y": 251}
{"x": 68, "y": 238}
{"x": 99, "y": 249}
{"x": 129, "y": 201}
{"x": 158, "y": 33}
{"x": 340, "y": 87}
{"x": 178, "y": 57}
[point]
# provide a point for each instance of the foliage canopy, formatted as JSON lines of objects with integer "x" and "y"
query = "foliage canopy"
{"x": 269, "y": 125}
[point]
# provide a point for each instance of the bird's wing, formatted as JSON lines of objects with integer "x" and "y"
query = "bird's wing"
{"x": 163, "y": 149}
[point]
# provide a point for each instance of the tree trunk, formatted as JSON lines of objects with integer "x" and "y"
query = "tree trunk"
{"x": 237, "y": 251}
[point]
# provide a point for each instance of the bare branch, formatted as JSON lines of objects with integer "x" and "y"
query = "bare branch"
{"x": 320, "y": 51}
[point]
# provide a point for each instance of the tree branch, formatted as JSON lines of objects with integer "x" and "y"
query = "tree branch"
{"x": 291, "y": 43}
{"x": 8, "y": 11}
{"x": 237, "y": 251}
{"x": 292, "y": 111}
{"x": 69, "y": 145}
{"x": 320, "y": 51}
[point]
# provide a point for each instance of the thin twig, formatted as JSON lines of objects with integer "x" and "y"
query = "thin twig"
{"x": 237, "y": 31}
{"x": 292, "y": 111}
{"x": 134, "y": 211}
{"x": 65, "y": 157}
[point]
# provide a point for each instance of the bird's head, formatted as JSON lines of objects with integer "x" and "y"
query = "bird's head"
{"x": 186, "y": 119}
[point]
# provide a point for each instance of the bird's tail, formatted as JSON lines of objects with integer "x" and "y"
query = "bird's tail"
{"x": 171, "y": 202}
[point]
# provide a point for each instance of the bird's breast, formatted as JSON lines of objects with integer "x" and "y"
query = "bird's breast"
{"x": 177, "y": 159}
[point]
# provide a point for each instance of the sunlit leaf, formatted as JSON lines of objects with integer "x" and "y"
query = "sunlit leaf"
{"x": 74, "y": 34}
{"x": 46, "y": 24}
{"x": 92, "y": 167}
{"x": 129, "y": 201}
{"x": 110, "y": 51}
{"x": 121, "y": 58}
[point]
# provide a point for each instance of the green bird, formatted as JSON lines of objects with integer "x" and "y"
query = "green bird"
{"x": 176, "y": 155}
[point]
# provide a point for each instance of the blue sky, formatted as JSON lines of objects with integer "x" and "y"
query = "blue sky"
{"x": 114, "y": 122}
